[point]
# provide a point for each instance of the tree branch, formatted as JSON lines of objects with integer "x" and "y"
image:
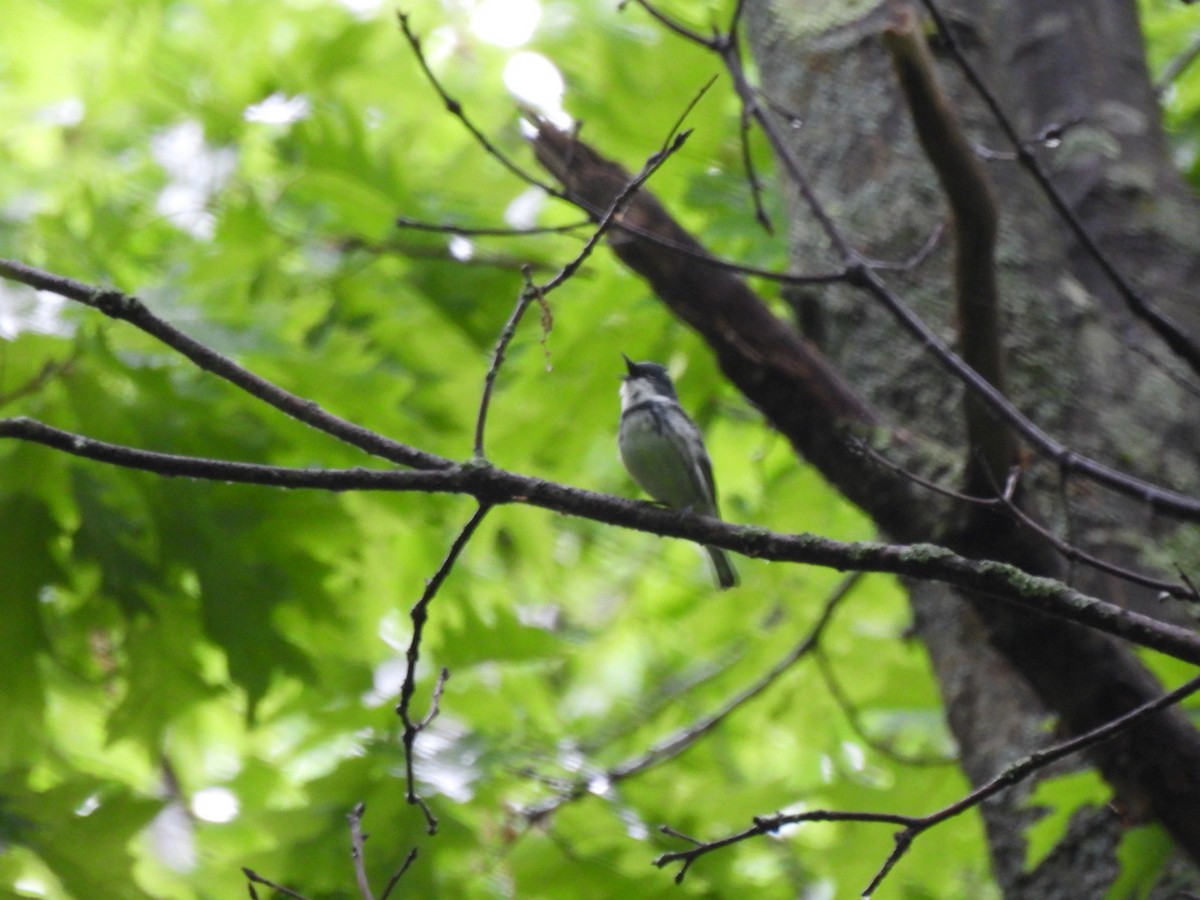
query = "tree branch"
{"x": 419, "y": 615}
{"x": 914, "y": 826}
{"x": 683, "y": 738}
{"x": 357, "y": 842}
{"x": 1171, "y": 333}
{"x": 494, "y": 486}
{"x": 991, "y": 447}
{"x": 538, "y": 292}
{"x": 129, "y": 309}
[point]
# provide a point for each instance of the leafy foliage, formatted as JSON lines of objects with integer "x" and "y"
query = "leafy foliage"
{"x": 239, "y": 166}
{"x": 1173, "y": 48}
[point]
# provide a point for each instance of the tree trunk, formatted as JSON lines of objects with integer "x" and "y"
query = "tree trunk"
{"x": 1076, "y": 361}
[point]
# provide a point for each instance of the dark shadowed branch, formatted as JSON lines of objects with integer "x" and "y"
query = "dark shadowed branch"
{"x": 975, "y": 220}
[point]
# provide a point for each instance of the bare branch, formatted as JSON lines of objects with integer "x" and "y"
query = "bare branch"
{"x": 833, "y": 685}
{"x": 528, "y": 294}
{"x": 1181, "y": 590}
{"x": 357, "y": 840}
{"x": 254, "y": 878}
{"x": 466, "y": 231}
{"x": 127, "y": 308}
{"x": 493, "y": 486}
{"x": 674, "y": 744}
{"x": 674, "y": 25}
{"x": 760, "y": 211}
{"x": 913, "y": 826}
{"x": 1171, "y": 333}
{"x": 1178, "y": 65}
{"x": 419, "y": 615}
{"x": 501, "y": 261}
{"x": 399, "y": 873}
{"x": 50, "y": 370}
{"x": 456, "y": 109}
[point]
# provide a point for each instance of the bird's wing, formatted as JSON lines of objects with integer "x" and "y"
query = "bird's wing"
{"x": 701, "y": 472}
{"x": 709, "y": 486}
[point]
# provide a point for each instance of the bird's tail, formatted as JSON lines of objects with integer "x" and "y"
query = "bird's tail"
{"x": 726, "y": 574}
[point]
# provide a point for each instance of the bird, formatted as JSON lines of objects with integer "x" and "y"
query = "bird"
{"x": 663, "y": 449}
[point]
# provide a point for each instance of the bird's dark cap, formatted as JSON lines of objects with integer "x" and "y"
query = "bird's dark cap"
{"x": 651, "y": 371}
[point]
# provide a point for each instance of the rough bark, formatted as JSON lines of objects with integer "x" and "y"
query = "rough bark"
{"x": 1075, "y": 359}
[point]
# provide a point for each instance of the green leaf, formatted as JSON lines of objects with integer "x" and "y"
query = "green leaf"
{"x": 1062, "y": 797}
{"x": 1142, "y": 853}
{"x": 28, "y": 570}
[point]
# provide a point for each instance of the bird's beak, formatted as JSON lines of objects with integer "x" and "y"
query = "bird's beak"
{"x": 628, "y": 363}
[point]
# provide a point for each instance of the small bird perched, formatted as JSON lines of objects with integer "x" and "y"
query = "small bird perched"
{"x": 664, "y": 450}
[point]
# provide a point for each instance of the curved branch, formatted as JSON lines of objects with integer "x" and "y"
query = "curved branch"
{"x": 125, "y": 307}
{"x": 681, "y": 739}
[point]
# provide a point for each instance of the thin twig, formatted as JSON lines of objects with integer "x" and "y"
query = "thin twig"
{"x": 49, "y": 370}
{"x": 674, "y": 744}
{"x": 1177, "y": 66}
{"x": 913, "y": 826}
{"x": 861, "y": 446}
{"x": 501, "y": 261}
{"x": 665, "y": 696}
{"x": 853, "y": 717}
{"x": 455, "y": 108}
{"x": 475, "y": 231}
{"x": 923, "y": 253}
{"x": 254, "y": 878}
{"x": 685, "y": 737}
{"x": 528, "y": 293}
{"x": 677, "y": 126}
{"x": 419, "y": 615}
{"x": 398, "y": 874}
{"x": 672, "y": 24}
{"x": 1074, "y": 554}
{"x": 1171, "y": 333}
{"x": 760, "y": 211}
{"x": 357, "y": 840}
